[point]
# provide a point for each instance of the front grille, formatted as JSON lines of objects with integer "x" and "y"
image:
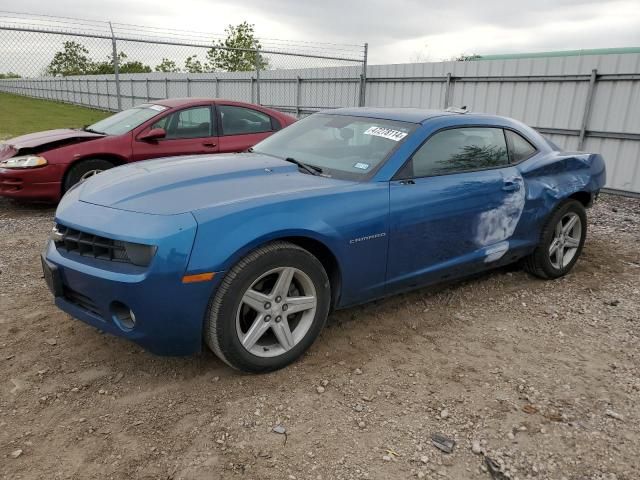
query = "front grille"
{"x": 89, "y": 245}
{"x": 81, "y": 301}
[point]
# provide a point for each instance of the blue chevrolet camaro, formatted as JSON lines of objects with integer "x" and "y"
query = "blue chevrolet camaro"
{"x": 248, "y": 253}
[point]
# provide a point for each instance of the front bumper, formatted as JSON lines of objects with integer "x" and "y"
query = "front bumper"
{"x": 168, "y": 313}
{"x": 43, "y": 183}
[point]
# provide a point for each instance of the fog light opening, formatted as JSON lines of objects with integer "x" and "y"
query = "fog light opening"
{"x": 123, "y": 316}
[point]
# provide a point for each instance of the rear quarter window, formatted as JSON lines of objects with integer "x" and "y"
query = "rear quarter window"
{"x": 519, "y": 147}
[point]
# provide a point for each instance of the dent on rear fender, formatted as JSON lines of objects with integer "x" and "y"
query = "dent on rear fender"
{"x": 550, "y": 183}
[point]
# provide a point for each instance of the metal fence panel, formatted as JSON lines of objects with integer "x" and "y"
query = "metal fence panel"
{"x": 589, "y": 102}
{"x": 550, "y": 94}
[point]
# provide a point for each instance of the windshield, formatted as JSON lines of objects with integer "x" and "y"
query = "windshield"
{"x": 342, "y": 146}
{"x": 127, "y": 120}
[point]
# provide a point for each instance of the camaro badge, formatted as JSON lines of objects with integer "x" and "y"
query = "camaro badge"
{"x": 368, "y": 237}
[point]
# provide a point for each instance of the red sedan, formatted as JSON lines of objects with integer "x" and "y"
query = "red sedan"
{"x": 44, "y": 165}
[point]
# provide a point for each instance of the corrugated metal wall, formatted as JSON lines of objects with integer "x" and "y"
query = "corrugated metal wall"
{"x": 552, "y": 94}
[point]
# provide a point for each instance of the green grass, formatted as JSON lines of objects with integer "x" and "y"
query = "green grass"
{"x": 20, "y": 115}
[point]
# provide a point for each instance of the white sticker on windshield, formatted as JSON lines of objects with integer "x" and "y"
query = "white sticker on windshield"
{"x": 158, "y": 108}
{"x": 391, "y": 134}
{"x": 361, "y": 166}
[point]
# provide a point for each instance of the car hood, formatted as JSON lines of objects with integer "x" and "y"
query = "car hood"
{"x": 184, "y": 184}
{"x": 40, "y": 141}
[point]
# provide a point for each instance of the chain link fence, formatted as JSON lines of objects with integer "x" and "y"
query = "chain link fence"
{"x": 115, "y": 66}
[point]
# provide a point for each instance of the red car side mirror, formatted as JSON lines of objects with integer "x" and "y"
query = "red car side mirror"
{"x": 153, "y": 134}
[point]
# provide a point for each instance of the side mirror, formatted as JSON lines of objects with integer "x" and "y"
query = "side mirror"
{"x": 153, "y": 134}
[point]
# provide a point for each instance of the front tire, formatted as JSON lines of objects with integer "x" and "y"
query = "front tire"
{"x": 269, "y": 308}
{"x": 83, "y": 170}
{"x": 561, "y": 242}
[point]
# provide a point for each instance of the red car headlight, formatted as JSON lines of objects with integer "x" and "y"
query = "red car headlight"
{"x": 25, "y": 161}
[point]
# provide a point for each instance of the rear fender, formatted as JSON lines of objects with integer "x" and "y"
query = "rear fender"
{"x": 554, "y": 178}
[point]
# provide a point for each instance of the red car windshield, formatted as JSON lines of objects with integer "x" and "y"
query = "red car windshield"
{"x": 127, "y": 120}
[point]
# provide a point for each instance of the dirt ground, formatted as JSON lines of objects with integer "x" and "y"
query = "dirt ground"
{"x": 541, "y": 377}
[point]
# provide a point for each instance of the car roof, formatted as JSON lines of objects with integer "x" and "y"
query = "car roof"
{"x": 185, "y": 102}
{"x": 182, "y": 102}
{"x": 413, "y": 115}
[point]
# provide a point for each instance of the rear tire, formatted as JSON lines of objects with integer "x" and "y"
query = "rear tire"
{"x": 84, "y": 169}
{"x": 269, "y": 308}
{"x": 561, "y": 242}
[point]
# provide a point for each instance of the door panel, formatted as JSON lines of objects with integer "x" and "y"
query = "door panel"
{"x": 190, "y": 131}
{"x": 242, "y": 127}
{"x": 240, "y": 143}
{"x": 445, "y": 226}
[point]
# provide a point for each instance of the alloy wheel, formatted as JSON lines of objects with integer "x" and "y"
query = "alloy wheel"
{"x": 90, "y": 174}
{"x": 565, "y": 241}
{"x": 276, "y": 312}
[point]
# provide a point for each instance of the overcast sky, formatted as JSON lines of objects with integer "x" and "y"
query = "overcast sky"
{"x": 397, "y": 31}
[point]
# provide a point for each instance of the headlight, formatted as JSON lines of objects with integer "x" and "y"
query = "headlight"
{"x": 136, "y": 253}
{"x": 26, "y": 161}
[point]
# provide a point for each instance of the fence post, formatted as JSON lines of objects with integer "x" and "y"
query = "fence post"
{"x": 106, "y": 86}
{"x": 217, "y": 88}
{"x": 587, "y": 107}
{"x": 116, "y": 67}
{"x": 146, "y": 81}
{"x": 257, "y": 62}
{"x": 166, "y": 87}
{"x": 363, "y": 77}
{"x": 253, "y": 93}
{"x": 188, "y": 87}
{"x": 298, "y": 95}
{"x": 447, "y": 90}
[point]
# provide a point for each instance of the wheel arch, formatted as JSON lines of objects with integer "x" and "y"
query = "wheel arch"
{"x": 584, "y": 197}
{"x": 317, "y": 247}
{"x": 326, "y": 257}
{"x": 117, "y": 160}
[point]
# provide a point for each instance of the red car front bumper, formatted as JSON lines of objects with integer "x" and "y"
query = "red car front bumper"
{"x": 43, "y": 183}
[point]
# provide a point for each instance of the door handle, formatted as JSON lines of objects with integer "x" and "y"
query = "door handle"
{"x": 511, "y": 185}
{"x": 209, "y": 144}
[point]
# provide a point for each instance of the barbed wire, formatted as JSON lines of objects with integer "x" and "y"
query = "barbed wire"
{"x": 72, "y": 25}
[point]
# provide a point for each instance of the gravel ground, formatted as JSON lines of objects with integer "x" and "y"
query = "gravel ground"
{"x": 535, "y": 379}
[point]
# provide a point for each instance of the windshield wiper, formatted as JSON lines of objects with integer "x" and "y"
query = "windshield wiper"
{"x": 312, "y": 169}
{"x": 91, "y": 130}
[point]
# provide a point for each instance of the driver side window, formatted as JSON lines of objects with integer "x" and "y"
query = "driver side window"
{"x": 195, "y": 122}
{"x": 458, "y": 150}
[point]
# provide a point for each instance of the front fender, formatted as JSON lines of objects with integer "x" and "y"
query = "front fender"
{"x": 226, "y": 233}
{"x": 223, "y": 253}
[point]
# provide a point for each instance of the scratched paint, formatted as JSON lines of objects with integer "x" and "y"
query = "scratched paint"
{"x": 498, "y": 224}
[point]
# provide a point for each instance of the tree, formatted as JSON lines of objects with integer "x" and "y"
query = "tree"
{"x": 193, "y": 65}
{"x": 134, "y": 67}
{"x": 240, "y": 37}
{"x": 167, "y": 65}
{"x": 467, "y": 58}
{"x": 9, "y": 75}
{"x": 72, "y": 60}
{"x": 106, "y": 67}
